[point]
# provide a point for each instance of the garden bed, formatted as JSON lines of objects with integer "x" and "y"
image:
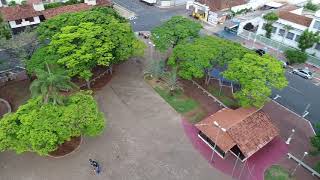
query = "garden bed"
{"x": 187, "y": 106}
{"x": 67, "y": 147}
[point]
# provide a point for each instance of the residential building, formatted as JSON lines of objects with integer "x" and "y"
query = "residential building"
{"x": 241, "y": 132}
{"x": 298, "y": 22}
{"x": 33, "y": 13}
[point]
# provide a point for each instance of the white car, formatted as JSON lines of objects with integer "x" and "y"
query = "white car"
{"x": 305, "y": 73}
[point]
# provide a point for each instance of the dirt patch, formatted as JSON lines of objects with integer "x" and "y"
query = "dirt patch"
{"x": 16, "y": 93}
{"x": 206, "y": 102}
{"x": 67, "y": 147}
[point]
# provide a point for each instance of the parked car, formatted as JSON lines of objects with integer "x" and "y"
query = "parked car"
{"x": 261, "y": 52}
{"x": 305, "y": 73}
{"x": 144, "y": 34}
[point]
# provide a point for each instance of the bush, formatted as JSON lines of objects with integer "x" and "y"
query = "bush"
{"x": 41, "y": 128}
{"x": 310, "y": 6}
{"x": 12, "y": 3}
{"x": 53, "y": 5}
{"x": 296, "y": 56}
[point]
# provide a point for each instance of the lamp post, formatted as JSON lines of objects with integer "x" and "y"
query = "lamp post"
{"x": 215, "y": 143}
{"x": 294, "y": 170}
{"x": 290, "y": 137}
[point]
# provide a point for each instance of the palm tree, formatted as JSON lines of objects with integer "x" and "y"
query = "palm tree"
{"x": 48, "y": 85}
{"x": 172, "y": 81}
{"x": 154, "y": 69}
{"x": 286, "y": 28}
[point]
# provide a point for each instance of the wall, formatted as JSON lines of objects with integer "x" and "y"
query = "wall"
{"x": 24, "y": 23}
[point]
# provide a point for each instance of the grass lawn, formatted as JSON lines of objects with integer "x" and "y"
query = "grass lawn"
{"x": 276, "y": 172}
{"x": 228, "y": 101}
{"x": 178, "y": 100}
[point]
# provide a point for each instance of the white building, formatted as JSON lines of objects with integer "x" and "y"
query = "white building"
{"x": 299, "y": 23}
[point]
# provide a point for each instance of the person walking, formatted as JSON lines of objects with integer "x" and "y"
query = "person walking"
{"x": 95, "y": 165}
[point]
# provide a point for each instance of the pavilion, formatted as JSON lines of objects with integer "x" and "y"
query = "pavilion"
{"x": 242, "y": 132}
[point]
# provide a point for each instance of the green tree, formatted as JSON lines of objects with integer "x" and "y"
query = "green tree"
{"x": 307, "y": 39}
{"x": 49, "y": 84}
{"x": 257, "y": 76}
{"x": 40, "y": 58}
{"x": 12, "y": 3}
{"x": 41, "y": 128}
{"x": 296, "y": 56}
{"x": 192, "y": 59}
{"x": 21, "y": 45}
{"x": 98, "y": 16}
{"x": 154, "y": 69}
{"x": 310, "y": 6}
{"x": 4, "y": 29}
{"x": 270, "y": 17}
{"x": 174, "y": 31}
{"x": 172, "y": 81}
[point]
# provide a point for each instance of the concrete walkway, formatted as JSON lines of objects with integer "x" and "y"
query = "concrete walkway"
{"x": 144, "y": 140}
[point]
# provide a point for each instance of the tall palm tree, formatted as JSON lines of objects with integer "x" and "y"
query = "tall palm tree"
{"x": 172, "y": 81}
{"x": 48, "y": 85}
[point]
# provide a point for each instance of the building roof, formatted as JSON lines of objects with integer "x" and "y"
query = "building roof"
{"x": 295, "y": 18}
{"x": 49, "y": 13}
{"x": 215, "y": 5}
{"x": 249, "y": 129}
{"x": 18, "y": 12}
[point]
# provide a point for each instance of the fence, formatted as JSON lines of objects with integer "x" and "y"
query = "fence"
{"x": 313, "y": 172}
{"x": 275, "y": 45}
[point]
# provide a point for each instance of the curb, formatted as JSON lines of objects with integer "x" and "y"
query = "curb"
{"x": 70, "y": 153}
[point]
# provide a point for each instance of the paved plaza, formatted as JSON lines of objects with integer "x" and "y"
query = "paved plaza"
{"x": 143, "y": 140}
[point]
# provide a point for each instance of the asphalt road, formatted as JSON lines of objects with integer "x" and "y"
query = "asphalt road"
{"x": 298, "y": 94}
{"x": 147, "y": 16}
{"x": 296, "y": 97}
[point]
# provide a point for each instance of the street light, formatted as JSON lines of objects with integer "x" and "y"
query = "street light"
{"x": 290, "y": 137}
{"x": 299, "y": 163}
{"x": 215, "y": 144}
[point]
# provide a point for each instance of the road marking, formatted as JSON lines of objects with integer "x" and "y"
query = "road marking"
{"x": 277, "y": 96}
{"x": 295, "y": 89}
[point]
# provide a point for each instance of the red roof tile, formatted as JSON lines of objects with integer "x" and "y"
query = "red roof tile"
{"x": 215, "y": 5}
{"x": 249, "y": 129}
{"x": 18, "y": 12}
{"x": 295, "y": 18}
{"x": 49, "y": 13}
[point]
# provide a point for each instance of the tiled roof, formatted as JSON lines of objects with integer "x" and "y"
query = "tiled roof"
{"x": 215, "y": 5}
{"x": 18, "y": 12}
{"x": 249, "y": 129}
{"x": 49, "y": 13}
{"x": 295, "y": 18}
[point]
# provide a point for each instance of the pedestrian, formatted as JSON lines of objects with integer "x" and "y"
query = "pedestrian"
{"x": 95, "y": 165}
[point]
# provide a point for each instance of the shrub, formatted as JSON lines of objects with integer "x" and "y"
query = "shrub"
{"x": 310, "y": 6}
{"x": 296, "y": 56}
{"x": 53, "y": 5}
{"x": 41, "y": 128}
{"x": 12, "y": 3}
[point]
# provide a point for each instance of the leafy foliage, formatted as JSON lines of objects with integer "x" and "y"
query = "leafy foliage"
{"x": 4, "y": 29}
{"x": 310, "y": 6}
{"x": 40, "y": 128}
{"x": 81, "y": 41}
{"x": 315, "y": 141}
{"x": 270, "y": 17}
{"x": 307, "y": 39}
{"x": 40, "y": 58}
{"x": 257, "y": 76}
{"x": 21, "y": 45}
{"x": 203, "y": 53}
{"x": 12, "y": 3}
{"x": 98, "y": 16}
{"x": 154, "y": 69}
{"x": 59, "y": 4}
{"x": 48, "y": 84}
{"x": 174, "y": 31}
{"x": 295, "y": 56}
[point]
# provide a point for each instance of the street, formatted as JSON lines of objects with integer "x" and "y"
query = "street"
{"x": 296, "y": 97}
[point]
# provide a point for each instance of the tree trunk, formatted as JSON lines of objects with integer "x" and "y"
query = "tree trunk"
{"x": 88, "y": 84}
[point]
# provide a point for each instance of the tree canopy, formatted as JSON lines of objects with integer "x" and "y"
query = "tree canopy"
{"x": 193, "y": 58}
{"x": 270, "y": 17}
{"x": 98, "y": 16}
{"x": 81, "y": 41}
{"x": 307, "y": 40}
{"x": 40, "y": 128}
{"x": 4, "y": 30}
{"x": 257, "y": 76}
{"x": 174, "y": 31}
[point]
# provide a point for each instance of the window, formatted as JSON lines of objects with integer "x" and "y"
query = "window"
{"x": 274, "y": 29}
{"x": 281, "y": 32}
{"x": 30, "y": 19}
{"x": 290, "y": 35}
{"x": 317, "y": 47}
{"x": 297, "y": 38}
{"x": 316, "y": 25}
{"x": 19, "y": 21}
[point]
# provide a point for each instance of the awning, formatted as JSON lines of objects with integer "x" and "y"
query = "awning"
{"x": 274, "y": 4}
